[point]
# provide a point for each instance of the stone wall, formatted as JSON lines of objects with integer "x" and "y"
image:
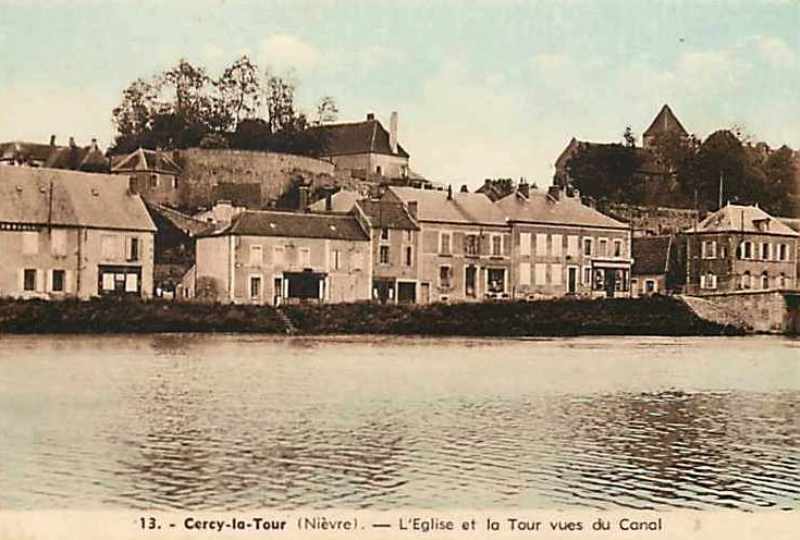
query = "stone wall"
{"x": 651, "y": 220}
{"x": 773, "y": 312}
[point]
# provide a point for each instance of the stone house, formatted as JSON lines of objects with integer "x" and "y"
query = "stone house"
{"x": 464, "y": 245}
{"x": 563, "y": 247}
{"x": 654, "y": 265}
{"x": 739, "y": 248}
{"x": 274, "y": 257}
{"x": 72, "y": 234}
{"x": 154, "y": 175}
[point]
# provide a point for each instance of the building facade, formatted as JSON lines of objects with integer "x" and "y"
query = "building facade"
{"x": 270, "y": 257}
{"x": 154, "y": 175}
{"x": 70, "y": 234}
{"x": 739, "y": 248}
{"x": 464, "y": 245}
{"x": 563, "y": 247}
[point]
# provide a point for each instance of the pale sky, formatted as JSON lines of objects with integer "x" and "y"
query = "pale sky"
{"x": 482, "y": 88}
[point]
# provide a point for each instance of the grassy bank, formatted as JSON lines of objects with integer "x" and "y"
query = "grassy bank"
{"x": 564, "y": 317}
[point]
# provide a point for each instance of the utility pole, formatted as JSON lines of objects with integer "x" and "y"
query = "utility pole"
{"x": 721, "y": 187}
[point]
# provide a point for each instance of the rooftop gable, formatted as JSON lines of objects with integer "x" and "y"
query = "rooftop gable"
{"x": 738, "y": 218}
{"x": 144, "y": 160}
{"x": 367, "y": 137}
{"x": 665, "y": 122}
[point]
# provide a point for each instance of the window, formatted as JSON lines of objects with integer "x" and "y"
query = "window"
{"x": 277, "y": 255}
{"x": 650, "y": 286}
{"x": 525, "y": 243}
{"x": 496, "y": 280}
{"x": 471, "y": 246}
{"x": 57, "y": 281}
{"x": 781, "y": 281}
{"x": 255, "y": 286}
{"x": 131, "y": 283}
{"x": 336, "y": 259}
{"x": 555, "y": 274}
{"x": 572, "y": 246}
{"x": 384, "y": 255}
{"x": 409, "y": 256}
{"x": 305, "y": 257}
{"x": 540, "y": 274}
{"x": 708, "y": 281}
{"x": 764, "y": 251}
{"x": 525, "y": 273}
{"x": 557, "y": 242}
{"x": 723, "y": 252}
{"x": 58, "y": 242}
{"x": 497, "y": 245}
{"x": 602, "y": 248}
{"x": 174, "y": 182}
{"x": 29, "y": 279}
{"x": 384, "y": 234}
{"x": 132, "y": 253}
{"x": 378, "y": 170}
{"x": 587, "y": 275}
{"x": 153, "y": 180}
{"x": 708, "y": 249}
{"x": 617, "y": 248}
{"x": 587, "y": 247}
{"x": 30, "y": 243}
{"x": 541, "y": 244}
{"x": 256, "y": 255}
{"x": 444, "y": 244}
{"x": 445, "y": 277}
{"x": 764, "y": 280}
{"x": 782, "y": 252}
{"x": 748, "y": 250}
{"x": 745, "y": 282}
{"x": 409, "y": 236}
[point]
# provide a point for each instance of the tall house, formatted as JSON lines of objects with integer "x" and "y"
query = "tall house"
{"x": 740, "y": 248}
{"x": 153, "y": 174}
{"x": 271, "y": 257}
{"x": 365, "y": 148}
{"x": 464, "y": 246}
{"x": 72, "y": 234}
{"x": 563, "y": 247}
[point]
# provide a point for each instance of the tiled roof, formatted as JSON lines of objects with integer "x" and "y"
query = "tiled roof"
{"x": 665, "y": 122}
{"x": 341, "y": 201}
{"x": 78, "y": 199}
{"x": 146, "y": 161}
{"x": 435, "y": 205}
{"x": 187, "y": 224}
{"x": 539, "y": 207}
{"x": 750, "y": 219}
{"x": 76, "y": 158}
{"x": 364, "y": 137}
{"x": 387, "y": 214}
{"x": 296, "y": 225}
{"x": 650, "y": 254}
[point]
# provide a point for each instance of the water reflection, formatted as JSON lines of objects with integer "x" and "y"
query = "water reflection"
{"x": 230, "y": 422}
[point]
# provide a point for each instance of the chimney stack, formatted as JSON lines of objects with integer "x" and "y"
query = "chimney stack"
{"x": 554, "y": 192}
{"x": 524, "y": 188}
{"x": 370, "y": 116}
{"x": 328, "y": 200}
{"x": 449, "y": 192}
{"x": 52, "y": 140}
{"x": 72, "y": 142}
{"x": 464, "y": 188}
{"x": 393, "y": 132}
{"x": 94, "y": 142}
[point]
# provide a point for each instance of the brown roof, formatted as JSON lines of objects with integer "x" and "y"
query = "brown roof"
{"x": 539, "y": 207}
{"x": 143, "y": 160}
{"x": 78, "y": 199}
{"x": 386, "y": 214}
{"x": 650, "y": 254}
{"x": 665, "y": 122}
{"x": 76, "y": 158}
{"x": 435, "y": 205}
{"x": 737, "y": 218}
{"x": 295, "y": 225}
{"x": 364, "y": 137}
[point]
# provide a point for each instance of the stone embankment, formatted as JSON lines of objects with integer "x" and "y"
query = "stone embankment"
{"x": 710, "y": 311}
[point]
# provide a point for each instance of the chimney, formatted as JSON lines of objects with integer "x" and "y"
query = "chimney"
{"x": 554, "y": 192}
{"x": 72, "y": 142}
{"x": 329, "y": 201}
{"x": 370, "y": 116}
{"x": 52, "y": 140}
{"x": 524, "y": 189}
{"x": 302, "y": 203}
{"x": 94, "y": 142}
{"x": 449, "y": 192}
{"x": 464, "y": 188}
{"x": 412, "y": 208}
{"x": 393, "y": 132}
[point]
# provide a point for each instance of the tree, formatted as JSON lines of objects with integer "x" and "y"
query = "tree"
{"x": 239, "y": 94}
{"x": 607, "y": 171}
{"x": 327, "y": 111}
{"x": 781, "y": 188}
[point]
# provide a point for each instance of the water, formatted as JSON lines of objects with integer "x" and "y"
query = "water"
{"x": 232, "y": 422}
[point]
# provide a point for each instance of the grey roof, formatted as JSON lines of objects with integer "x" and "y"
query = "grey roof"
{"x": 387, "y": 214}
{"x": 78, "y": 199}
{"x": 295, "y": 225}
{"x": 539, "y": 207}
{"x": 435, "y": 205}
{"x": 650, "y": 254}
{"x": 364, "y": 137}
{"x": 737, "y": 218}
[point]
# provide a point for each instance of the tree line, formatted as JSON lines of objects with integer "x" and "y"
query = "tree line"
{"x": 686, "y": 172}
{"x": 244, "y": 108}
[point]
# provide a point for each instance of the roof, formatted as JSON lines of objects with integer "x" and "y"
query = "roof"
{"x": 364, "y": 137}
{"x": 342, "y": 201}
{"x": 386, "y": 214}
{"x": 26, "y": 151}
{"x": 665, "y": 122}
{"x": 435, "y": 205}
{"x": 295, "y": 225}
{"x": 76, "y": 158}
{"x": 737, "y": 218}
{"x": 185, "y": 223}
{"x": 78, "y": 199}
{"x": 142, "y": 160}
{"x": 650, "y": 254}
{"x": 539, "y": 207}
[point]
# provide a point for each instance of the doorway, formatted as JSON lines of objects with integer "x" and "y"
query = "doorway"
{"x": 572, "y": 279}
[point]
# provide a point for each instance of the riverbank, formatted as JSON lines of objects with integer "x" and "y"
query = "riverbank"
{"x": 562, "y": 317}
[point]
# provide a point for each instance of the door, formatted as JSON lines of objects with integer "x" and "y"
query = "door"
{"x": 610, "y": 282}
{"x": 424, "y": 293}
{"x": 470, "y": 281}
{"x": 406, "y": 292}
{"x": 277, "y": 291}
{"x": 572, "y": 279}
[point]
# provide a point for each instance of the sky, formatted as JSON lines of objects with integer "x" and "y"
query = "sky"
{"x": 482, "y": 88}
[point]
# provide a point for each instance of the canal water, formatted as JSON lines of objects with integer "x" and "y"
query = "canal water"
{"x": 240, "y": 422}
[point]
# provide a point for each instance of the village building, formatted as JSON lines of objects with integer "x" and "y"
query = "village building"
{"x": 464, "y": 244}
{"x": 154, "y": 175}
{"x": 72, "y": 234}
{"x": 563, "y": 247}
{"x": 655, "y": 265}
{"x": 664, "y": 125}
{"x": 274, "y": 257}
{"x": 72, "y": 157}
{"x": 739, "y": 248}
